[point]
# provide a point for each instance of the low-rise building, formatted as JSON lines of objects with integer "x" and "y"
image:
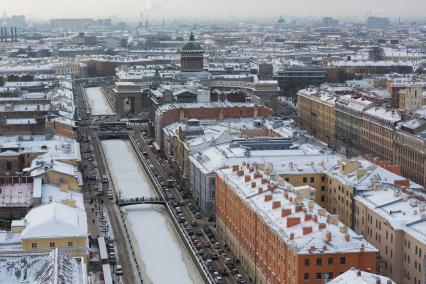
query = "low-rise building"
{"x": 54, "y": 225}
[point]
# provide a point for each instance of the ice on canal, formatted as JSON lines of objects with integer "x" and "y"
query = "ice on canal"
{"x": 98, "y": 102}
{"x": 164, "y": 258}
{"x": 128, "y": 176}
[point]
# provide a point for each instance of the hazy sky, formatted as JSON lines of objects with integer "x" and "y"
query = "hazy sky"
{"x": 221, "y": 8}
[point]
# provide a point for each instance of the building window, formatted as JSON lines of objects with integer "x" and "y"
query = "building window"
{"x": 343, "y": 260}
{"x": 319, "y": 261}
{"x": 306, "y": 262}
{"x": 8, "y": 166}
{"x": 34, "y": 245}
{"x": 305, "y": 179}
{"x": 322, "y": 178}
{"x": 312, "y": 179}
{"x": 319, "y": 276}
{"x": 70, "y": 244}
{"x": 52, "y": 244}
{"x": 322, "y": 198}
{"x": 306, "y": 276}
{"x": 322, "y": 188}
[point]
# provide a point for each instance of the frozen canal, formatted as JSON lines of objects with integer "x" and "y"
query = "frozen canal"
{"x": 164, "y": 258}
{"x": 98, "y": 103}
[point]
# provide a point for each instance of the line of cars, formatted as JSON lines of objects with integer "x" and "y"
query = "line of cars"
{"x": 202, "y": 237}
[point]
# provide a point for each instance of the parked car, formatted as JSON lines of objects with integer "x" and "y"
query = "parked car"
{"x": 119, "y": 270}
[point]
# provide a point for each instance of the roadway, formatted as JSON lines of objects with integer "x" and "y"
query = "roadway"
{"x": 93, "y": 168}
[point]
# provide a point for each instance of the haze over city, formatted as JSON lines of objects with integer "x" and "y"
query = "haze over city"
{"x": 217, "y": 9}
{"x": 213, "y": 141}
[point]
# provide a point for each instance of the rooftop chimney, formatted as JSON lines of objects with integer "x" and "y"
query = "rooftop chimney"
{"x": 276, "y": 204}
{"x": 308, "y": 217}
{"x": 285, "y": 212}
{"x": 259, "y": 190}
{"x": 268, "y": 197}
{"x": 291, "y": 236}
{"x": 307, "y": 230}
{"x": 328, "y": 236}
{"x": 293, "y": 221}
{"x": 322, "y": 226}
{"x": 253, "y": 184}
{"x": 358, "y": 272}
{"x": 247, "y": 178}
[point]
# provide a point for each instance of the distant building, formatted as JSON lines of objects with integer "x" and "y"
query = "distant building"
{"x": 293, "y": 78}
{"x": 329, "y": 22}
{"x": 192, "y": 56}
{"x": 378, "y": 23}
{"x": 72, "y": 24}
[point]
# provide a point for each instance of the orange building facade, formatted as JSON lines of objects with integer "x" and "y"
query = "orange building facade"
{"x": 279, "y": 235}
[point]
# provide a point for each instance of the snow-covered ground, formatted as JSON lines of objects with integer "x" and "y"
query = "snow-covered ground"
{"x": 98, "y": 103}
{"x": 163, "y": 256}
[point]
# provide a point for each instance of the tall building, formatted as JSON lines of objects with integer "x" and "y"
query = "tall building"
{"x": 279, "y": 234}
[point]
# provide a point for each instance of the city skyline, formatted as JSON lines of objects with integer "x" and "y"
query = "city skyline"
{"x": 155, "y": 9}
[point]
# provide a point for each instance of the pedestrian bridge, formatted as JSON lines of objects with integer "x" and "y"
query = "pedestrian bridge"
{"x": 142, "y": 200}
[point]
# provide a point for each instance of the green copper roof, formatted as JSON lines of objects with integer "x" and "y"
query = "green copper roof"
{"x": 192, "y": 45}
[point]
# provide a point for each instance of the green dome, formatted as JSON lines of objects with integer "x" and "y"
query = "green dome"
{"x": 192, "y": 45}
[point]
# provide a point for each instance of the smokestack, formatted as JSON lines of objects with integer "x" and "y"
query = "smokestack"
{"x": 1, "y": 34}
{"x": 11, "y": 34}
{"x": 5, "y": 34}
{"x": 16, "y": 33}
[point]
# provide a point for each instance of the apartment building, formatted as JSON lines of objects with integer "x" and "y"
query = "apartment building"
{"x": 411, "y": 98}
{"x": 316, "y": 113}
{"x": 378, "y": 132}
{"x": 279, "y": 234}
{"x": 338, "y": 180}
{"x": 362, "y": 127}
{"x": 393, "y": 219}
{"x": 410, "y": 152}
{"x": 348, "y": 122}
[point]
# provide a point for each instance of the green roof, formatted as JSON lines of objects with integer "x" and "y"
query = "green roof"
{"x": 192, "y": 45}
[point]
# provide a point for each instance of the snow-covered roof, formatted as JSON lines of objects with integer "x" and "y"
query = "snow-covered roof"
{"x": 400, "y": 208}
{"x": 57, "y": 147}
{"x": 52, "y": 267}
{"x": 55, "y": 220}
{"x": 52, "y": 193}
{"x": 310, "y": 214}
{"x": 355, "y": 276}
